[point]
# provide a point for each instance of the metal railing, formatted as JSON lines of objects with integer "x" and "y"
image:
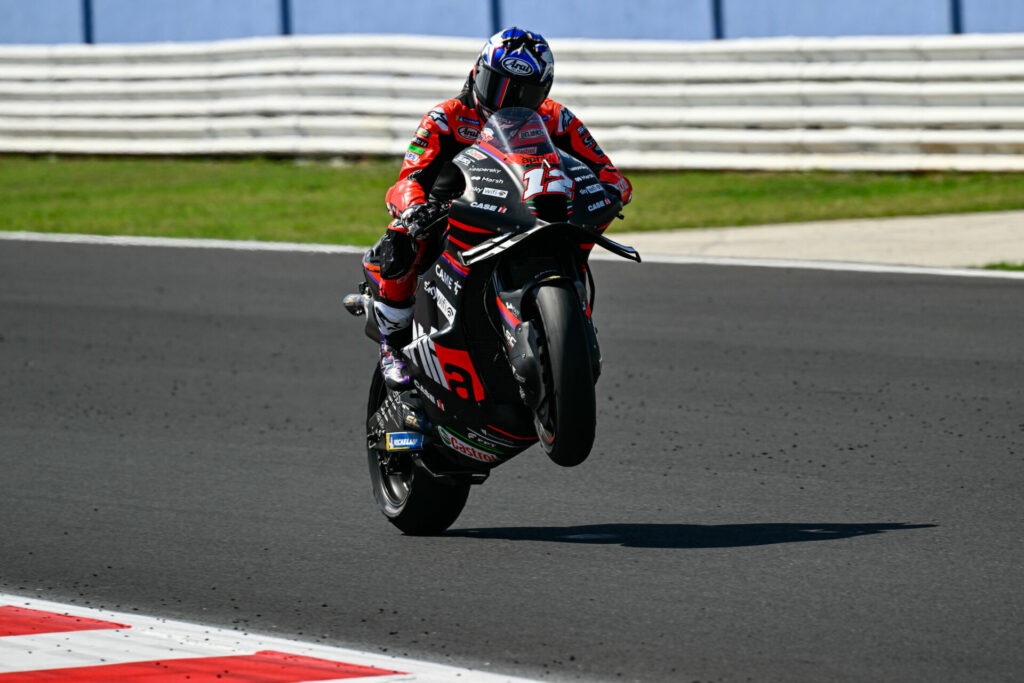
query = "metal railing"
{"x": 944, "y": 102}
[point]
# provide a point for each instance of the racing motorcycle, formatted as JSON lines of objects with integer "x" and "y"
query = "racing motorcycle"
{"x": 504, "y": 352}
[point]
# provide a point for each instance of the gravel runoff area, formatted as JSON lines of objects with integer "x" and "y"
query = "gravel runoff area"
{"x": 954, "y": 240}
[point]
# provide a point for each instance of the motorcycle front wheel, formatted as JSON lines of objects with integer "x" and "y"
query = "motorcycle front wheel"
{"x": 412, "y": 500}
{"x": 567, "y": 418}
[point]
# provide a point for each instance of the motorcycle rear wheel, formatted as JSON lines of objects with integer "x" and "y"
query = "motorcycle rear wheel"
{"x": 412, "y": 500}
{"x": 567, "y": 419}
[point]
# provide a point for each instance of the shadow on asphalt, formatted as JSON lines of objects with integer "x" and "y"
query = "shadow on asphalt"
{"x": 685, "y": 535}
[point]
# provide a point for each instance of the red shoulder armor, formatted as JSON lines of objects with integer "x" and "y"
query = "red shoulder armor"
{"x": 443, "y": 131}
{"x": 571, "y": 134}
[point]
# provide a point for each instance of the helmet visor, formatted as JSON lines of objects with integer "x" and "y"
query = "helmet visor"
{"x": 495, "y": 91}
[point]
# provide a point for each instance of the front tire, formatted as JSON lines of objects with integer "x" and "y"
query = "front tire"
{"x": 412, "y": 500}
{"x": 567, "y": 418}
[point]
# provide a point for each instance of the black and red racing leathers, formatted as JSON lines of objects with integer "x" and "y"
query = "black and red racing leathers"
{"x": 428, "y": 175}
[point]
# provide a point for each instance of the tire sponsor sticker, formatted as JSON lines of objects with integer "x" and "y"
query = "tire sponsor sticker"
{"x": 405, "y": 441}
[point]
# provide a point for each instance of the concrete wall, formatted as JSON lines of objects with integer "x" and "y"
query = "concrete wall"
{"x": 134, "y": 21}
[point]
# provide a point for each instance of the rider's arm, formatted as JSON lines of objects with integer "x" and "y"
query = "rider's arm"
{"x": 432, "y": 146}
{"x": 571, "y": 135}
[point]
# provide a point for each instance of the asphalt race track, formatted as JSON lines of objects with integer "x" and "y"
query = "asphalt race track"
{"x": 799, "y": 475}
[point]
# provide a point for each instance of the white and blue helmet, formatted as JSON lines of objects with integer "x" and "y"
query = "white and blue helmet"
{"x": 515, "y": 69}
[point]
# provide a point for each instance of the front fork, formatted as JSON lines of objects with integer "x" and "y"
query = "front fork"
{"x": 521, "y": 336}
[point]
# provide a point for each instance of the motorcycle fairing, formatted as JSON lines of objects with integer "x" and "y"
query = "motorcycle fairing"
{"x": 468, "y": 394}
{"x": 474, "y": 357}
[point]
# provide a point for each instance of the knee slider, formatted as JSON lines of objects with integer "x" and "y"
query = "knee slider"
{"x": 397, "y": 254}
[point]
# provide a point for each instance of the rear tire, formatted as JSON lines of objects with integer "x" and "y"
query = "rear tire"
{"x": 412, "y": 500}
{"x": 567, "y": 418}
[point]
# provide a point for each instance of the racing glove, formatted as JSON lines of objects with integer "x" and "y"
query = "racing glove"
{"x": 418, "y": 220}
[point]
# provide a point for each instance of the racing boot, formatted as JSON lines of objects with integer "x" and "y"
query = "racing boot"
{"x": 395, "y": 324}
{"x": 392, "y": 367}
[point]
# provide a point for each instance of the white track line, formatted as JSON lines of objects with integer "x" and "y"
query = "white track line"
{"x": 148, "y": 639}
{"x": 181, "y": 243}
{"x": 598, "y": 254}
{"x": 844, "y": 266}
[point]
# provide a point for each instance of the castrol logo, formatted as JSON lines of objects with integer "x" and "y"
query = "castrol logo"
{"x": 460, "y": 446}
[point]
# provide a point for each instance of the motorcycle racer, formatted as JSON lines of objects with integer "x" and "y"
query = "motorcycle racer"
{"x": 515, "y": 68}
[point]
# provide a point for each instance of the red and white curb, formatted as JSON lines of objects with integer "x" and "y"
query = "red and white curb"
{"x": 49, "y": 641}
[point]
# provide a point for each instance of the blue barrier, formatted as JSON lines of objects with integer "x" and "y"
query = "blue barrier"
{"x": 637, "y": 19}
{"x": 993, "y": 16}
{"x": 803, "y": 18}
{"x": 107, "y": 21}
{"x": 467, "y": 18}
{"x": 43, "y": 21}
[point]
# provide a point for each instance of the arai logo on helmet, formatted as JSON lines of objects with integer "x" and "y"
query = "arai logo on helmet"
{"x": 517, "y": 66}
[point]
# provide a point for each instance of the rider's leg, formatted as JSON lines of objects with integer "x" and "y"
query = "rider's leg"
{"x": 395, "y": 333}
{"x": 399, "y": 269}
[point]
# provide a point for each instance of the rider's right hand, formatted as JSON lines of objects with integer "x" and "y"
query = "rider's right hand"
{"x": 418, "y": 220}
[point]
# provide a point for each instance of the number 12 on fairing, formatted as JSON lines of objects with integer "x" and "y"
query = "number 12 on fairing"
{"x": 543, "y": 180}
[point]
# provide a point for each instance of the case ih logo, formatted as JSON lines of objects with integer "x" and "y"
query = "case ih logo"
{"x": 468, "y": 450}
{"x": 489, "y": 207}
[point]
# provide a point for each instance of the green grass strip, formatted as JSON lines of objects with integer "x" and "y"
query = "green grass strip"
{"x": 262, "y": 199}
